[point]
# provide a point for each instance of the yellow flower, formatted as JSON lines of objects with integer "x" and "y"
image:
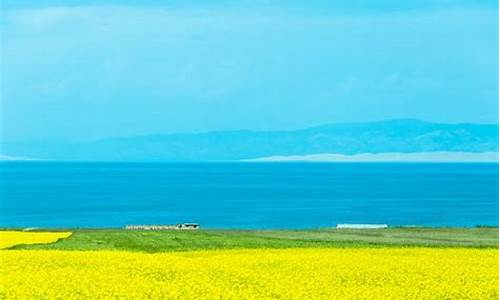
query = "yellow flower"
{"x": 11, "y": 238}
{"x": 350, "y": 273}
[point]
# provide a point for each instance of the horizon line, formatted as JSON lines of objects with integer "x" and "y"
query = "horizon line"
{"x": 246, "y": 130}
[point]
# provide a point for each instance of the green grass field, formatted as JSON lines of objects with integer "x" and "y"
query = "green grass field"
{"x": 157, "y": 241}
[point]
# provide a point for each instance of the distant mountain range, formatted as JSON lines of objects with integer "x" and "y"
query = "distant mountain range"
{"x": 391, "y": 136}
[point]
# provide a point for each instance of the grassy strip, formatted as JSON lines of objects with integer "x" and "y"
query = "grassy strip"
{"x": 158, "y": 241}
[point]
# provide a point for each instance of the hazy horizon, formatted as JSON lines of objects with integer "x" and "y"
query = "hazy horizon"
{"x": 69, "y": 140}
{"x": 389, "y": 137}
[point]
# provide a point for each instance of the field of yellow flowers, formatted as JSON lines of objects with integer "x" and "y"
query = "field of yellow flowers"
{"x": 11, "y": 238}
{"x": 335, "y": 273}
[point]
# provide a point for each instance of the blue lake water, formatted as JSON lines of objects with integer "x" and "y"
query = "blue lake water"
{"x": 247, "y": 195}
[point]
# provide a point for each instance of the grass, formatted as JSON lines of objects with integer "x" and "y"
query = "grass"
{"x": 161, "y": 241}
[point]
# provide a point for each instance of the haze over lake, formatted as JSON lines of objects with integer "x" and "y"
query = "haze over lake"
{"x": 139, "y": 85}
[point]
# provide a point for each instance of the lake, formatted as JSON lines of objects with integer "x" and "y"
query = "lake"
{"x": 247, "y": 195}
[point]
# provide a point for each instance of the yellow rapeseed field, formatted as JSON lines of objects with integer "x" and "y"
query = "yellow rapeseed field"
{"x": 11, "y": 238}
{"x": 350, "y": 273}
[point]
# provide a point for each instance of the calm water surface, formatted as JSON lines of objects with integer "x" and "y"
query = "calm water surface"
{"x": 247, "y": 195}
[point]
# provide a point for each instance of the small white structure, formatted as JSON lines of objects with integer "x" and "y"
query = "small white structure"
{"x": 182, "y": 226}
{"x": 30, "y": 229}
{"x": 361, "y": 226}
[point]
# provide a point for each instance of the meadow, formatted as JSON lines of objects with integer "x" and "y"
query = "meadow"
{"x": 313, "y": 264}
{"x": 158, "y": 241}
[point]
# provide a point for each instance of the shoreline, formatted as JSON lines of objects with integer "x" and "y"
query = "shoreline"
{"x": 230, "y": 229}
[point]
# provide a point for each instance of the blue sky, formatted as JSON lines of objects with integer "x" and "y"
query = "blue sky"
{"x": 84, "y": 70}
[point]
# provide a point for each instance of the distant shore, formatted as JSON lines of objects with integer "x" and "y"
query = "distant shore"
{"x": 396, "y": 157}
{"x": 451, "y": 157}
